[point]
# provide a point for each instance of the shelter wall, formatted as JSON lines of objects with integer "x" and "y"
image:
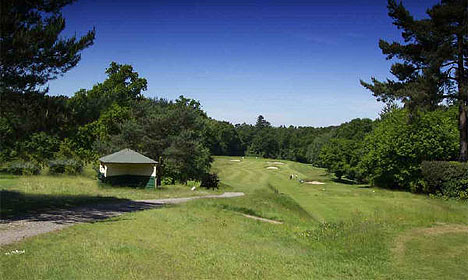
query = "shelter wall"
{"x": 114, "y": 169}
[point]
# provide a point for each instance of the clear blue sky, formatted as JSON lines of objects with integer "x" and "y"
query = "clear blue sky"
{"x": 295, "y": 62}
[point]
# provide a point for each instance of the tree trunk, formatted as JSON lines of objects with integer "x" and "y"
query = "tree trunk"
{"x": 462, "y": 126}
{"x": 159, "y": 172}
{"x": 462, "y": 100}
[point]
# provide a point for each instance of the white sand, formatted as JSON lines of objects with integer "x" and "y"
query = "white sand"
{"x": 272, "y": 167}
{"x": 235, "y": 160}
{"x": 275, "y": 162}
{"x": 315, "y": 183}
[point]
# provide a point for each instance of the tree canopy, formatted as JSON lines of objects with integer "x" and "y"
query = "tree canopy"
{"x": 433, "y": 61}
{"x": 32, "y": 51}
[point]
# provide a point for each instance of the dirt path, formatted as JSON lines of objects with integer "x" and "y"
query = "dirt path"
{"x": 27, "y": 226}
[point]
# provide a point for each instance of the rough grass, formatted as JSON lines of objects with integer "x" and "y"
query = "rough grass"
{"x": 24, "y": 194}
{"x": 442, "y": 256}
{"x": 330, "y": 231}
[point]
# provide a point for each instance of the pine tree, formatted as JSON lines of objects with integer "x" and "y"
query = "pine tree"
{"x": 433, "y": 63}
{"x": 261, "y": 122}
{"x": 31, "y": 51}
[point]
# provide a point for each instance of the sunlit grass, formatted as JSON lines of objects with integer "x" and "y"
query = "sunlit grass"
{"x": 330, "y": 231}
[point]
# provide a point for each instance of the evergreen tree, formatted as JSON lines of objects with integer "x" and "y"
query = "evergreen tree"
{"x": 31, "y": 49}
{"x": 434, "y": 61}
{"x": 261, "y": 122}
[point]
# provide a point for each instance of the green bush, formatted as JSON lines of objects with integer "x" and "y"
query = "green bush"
{"x": 22, "y": 168}
{"x": 341, "y": 157}
{"x": 40, "y": 147}
{"x": 445, "y": 178}
{"x": 167, "y": 181}
{"x": 210, "y": 181}
{"x": 67, "y": 166}
{"x": 394, "y": 150}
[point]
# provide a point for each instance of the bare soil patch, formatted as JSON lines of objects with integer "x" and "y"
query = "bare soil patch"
{"x": 262, "y": 219}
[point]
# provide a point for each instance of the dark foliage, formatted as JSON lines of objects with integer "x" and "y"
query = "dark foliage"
{"x": 395, "y": 148}
{"x": 21, "y": 168}
{"x": 222, "y": 138}
{"x": 29, "y": 118}
{"x": 67, "y": 166}
{"x": 445, "y": 178}
{"x": 290, "y": 143}
{"x": 343, "y": 150}
{"x": 210, "y": 181}
{"x": 32, "y": 51}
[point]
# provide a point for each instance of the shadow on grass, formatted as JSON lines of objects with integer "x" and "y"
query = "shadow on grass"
{"x": 64, "y": 209}
{"x": 345, "y": 181}
{"x": 122, "y": 186}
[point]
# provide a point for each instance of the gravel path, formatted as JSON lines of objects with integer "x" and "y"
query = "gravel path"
{"x": 27, "y": 226}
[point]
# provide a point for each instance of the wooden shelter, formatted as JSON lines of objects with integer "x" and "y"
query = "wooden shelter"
{"x": 128, "y": 168}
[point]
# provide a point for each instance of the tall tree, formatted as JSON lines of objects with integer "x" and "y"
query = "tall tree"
{"x": 31, "y": 49}
{"x": 433, "y": 63}
{"x": 261, "y": 122}
{"x": 123, "y": 86}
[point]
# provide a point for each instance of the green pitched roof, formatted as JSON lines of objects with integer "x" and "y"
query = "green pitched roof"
{"x": 126, "y": 156}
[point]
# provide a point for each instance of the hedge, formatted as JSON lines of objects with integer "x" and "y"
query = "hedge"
{"x": 21, "y": 168}
{"x": 68, "y": 166}
{"x": 446, "y": 178}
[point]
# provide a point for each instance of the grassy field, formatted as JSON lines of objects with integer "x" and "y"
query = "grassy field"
{"x": 24, "y": 194}
{"x": 330, "y": 231}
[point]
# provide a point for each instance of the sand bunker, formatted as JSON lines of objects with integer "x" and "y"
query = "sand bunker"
{"x": 315, "y": 183}
{"x": 272, "y": 167}
{"x": 235, "y": 160}
{"x": 275, "y": 162}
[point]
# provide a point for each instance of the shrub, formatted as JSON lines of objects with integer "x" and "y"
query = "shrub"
{"x": 167, "y": 181}
{"x": 210, "y": 181}
{"x": 341, "y": 157}
{"x": 445, "y": 178}
{"x": 195, "y": 184}
{"x": 40, "y": 147}
{"x": 394, "y": 150}
{"x": 22, "y": 168}
{"x": 68, "y": 166}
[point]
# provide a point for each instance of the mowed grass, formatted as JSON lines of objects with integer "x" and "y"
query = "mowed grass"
{"x": 329, "y": 231}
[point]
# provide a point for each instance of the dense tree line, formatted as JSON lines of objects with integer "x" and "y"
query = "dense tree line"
{"x": 115, "y": 114}
{"x": 282, "y": 142}
{"x": 430, "y": 126}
